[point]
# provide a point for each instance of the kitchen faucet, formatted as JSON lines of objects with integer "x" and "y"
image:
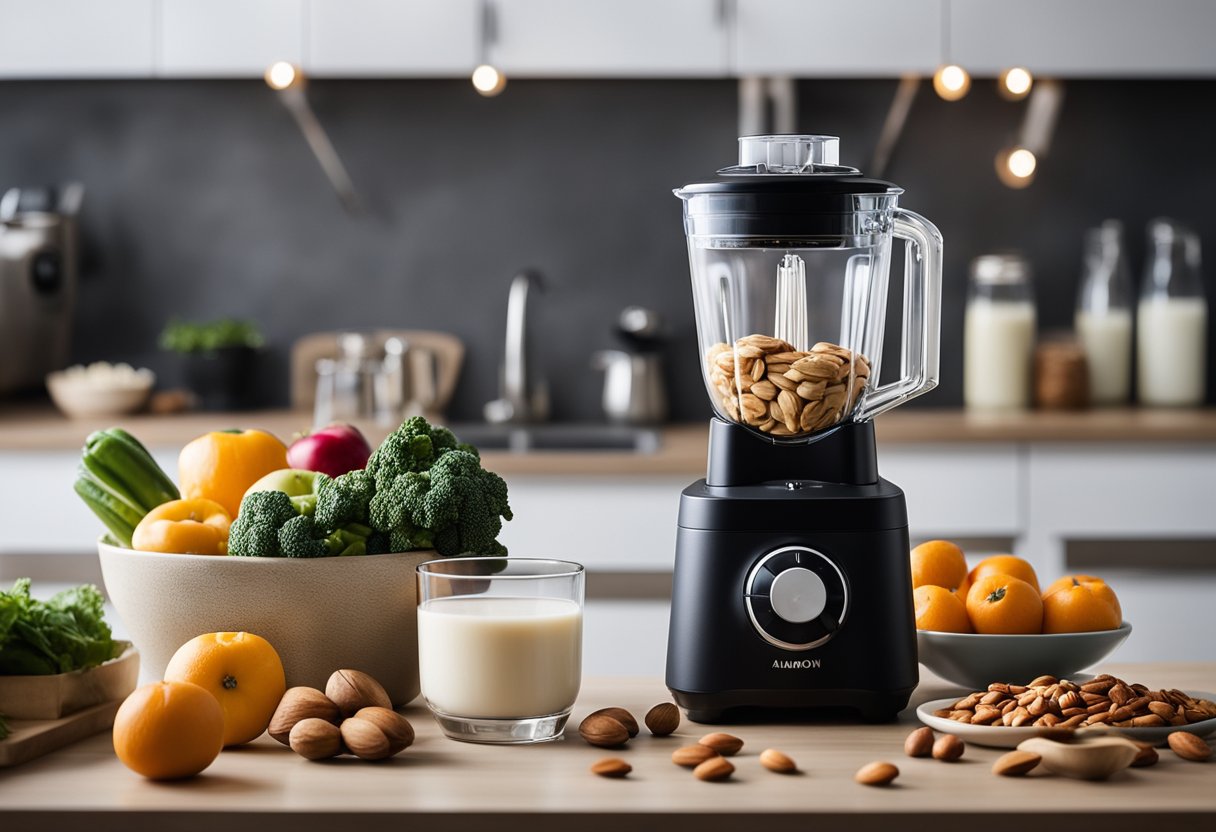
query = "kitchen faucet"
{"x": 524, "y": 394}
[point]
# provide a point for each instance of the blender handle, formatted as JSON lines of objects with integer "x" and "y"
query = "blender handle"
{"x": 921, "y": 344}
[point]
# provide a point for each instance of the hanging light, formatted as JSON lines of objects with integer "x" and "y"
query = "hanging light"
{"x": 1015, "y": 166}
{"x": 951, "y": 82}
{"x": 282, "y": 75}
{"x": 1015, "y": 83}
{"x": 488, "y": 79}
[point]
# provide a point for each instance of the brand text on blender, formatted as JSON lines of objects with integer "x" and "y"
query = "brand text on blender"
{"x": 791, "y": 664}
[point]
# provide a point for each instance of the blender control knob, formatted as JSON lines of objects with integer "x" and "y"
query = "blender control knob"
{"x": 797, "y": 595}
{"x": 796, "y": 598}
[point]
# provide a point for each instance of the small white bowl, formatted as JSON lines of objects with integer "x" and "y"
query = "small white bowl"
{"x": 320, "y": 614}
{"x": 82, "y": 395}
{"x": 976, "y": 660}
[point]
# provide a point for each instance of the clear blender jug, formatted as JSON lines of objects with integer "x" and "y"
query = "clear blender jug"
{"x": 790, "y": 259}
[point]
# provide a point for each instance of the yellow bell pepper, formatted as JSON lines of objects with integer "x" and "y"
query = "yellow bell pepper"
{"x": 221, "y": 465}
{"x": 191, "y": 527}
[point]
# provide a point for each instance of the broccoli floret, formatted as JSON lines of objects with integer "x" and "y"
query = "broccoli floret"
{"x": 461, "y": 503}
{"x": 255, "y": 531}
{"x": 344, "y": 500}
{"x": 297, "y": 539}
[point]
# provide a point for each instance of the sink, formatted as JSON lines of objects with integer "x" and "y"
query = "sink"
{"x": 559, "y": 437}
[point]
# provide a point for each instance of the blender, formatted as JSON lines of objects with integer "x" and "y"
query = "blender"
{"x": 792, "y": 587}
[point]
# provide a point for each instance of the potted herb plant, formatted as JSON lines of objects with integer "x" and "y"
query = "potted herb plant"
{"x": 218, "y": 359}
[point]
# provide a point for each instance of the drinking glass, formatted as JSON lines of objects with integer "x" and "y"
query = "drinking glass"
{"x": 500, "y": 646}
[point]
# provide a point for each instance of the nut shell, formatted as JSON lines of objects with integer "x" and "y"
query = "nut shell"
{"x": 714, "y": 769}
{"x": 663, "y": 719}
{"x": 777, "y": 761}
{"x": 691, "y": 756}
{"x": 365, "y": 739}
{"x": 396, "y": 728}
{"x": 622, "y": 716}
{"x": 876, "y": 774}
{"x": 919, "y": 743}
{"x": 611, "y": 767}
{"x": 315, "y": 739}
{"x": 603, "y": 731}
{"x": 297, "y": 704}
{"x": 352, "y": 690}
{"x": 727, "y": 745}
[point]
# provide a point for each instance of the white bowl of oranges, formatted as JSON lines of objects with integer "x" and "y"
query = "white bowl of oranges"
{"x": 994, "y": 623}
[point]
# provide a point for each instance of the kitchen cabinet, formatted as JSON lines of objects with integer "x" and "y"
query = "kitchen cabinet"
{"x": 646, "y": 38}
{"x": 76, "y": 38}
{"x": 824, "y": 38}
{"x": 1086, "y": 38}
{"x": 403, "y": 38}
{"x": 227, "y": 38}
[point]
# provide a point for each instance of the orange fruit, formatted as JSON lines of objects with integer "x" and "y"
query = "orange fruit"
{"x": 242, "y": 671}
{"x": 961, "y": 592}
{"x": 168, "y": 730}
{"x": 221, "y": 465}
{"x": 938, "y": 563}
{"x": 937, "y": 608}
{"x": 1096, "y": 584}
{"x": 1004, "y": 604}
{"x": 1005, "y": 565}
{"x": 1081, "y": 608}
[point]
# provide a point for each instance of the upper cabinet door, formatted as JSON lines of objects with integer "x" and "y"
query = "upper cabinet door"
{"x": 400, "y": 38}
{"x": 831, "y": 38}
{"x": 611, "y": 38}
{"x": 228, "y": 38}
{"x": 76, "y": 38}
{"x": 1094, "y": 38}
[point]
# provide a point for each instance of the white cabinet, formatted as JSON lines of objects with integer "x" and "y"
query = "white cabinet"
{"x": 1086, "y": 38}
{"x": 228, "y": 38}
{"x": 829, "y": 38}
{"x": 958, "y": 490}
{"x": 76, "y": 38}
{"x": 402, "y": 38}
{"x": 622, "y": 38}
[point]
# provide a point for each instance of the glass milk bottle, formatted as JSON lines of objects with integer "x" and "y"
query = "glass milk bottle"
{"x": 1171, "y": 343}
{"x": 1104, "y": 314}
{"x": 998, "y": 334}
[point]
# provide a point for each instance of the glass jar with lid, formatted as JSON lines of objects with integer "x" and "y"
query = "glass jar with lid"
{"x": 998, "y": 333}
{"x": 1171, "y": 341}
{"x": 1104, "y": 314}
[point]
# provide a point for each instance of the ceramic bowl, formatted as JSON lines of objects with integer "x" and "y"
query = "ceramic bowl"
{"x": 975, "y": 661}
{"x": 320, "y": 614}
{"x": 81, "y": 398}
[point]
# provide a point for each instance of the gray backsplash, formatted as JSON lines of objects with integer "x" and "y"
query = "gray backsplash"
{"x": 203, "y": 201}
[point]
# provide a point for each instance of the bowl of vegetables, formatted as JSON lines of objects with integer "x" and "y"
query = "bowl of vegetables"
{"x": 323, "y": 567}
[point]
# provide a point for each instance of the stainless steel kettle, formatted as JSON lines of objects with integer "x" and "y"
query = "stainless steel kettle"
{"x": 634, "y": 389}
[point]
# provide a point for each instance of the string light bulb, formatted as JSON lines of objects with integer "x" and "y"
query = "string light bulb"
{"x": 1015, "y": 83}
{"x": 488, "y": 81}
{"x": 282, "y": 75}
{"x": 951, "y": 82}
{"x": 1015, "y": 166}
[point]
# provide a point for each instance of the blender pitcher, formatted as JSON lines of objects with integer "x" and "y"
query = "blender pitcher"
{"x": 790, "y": 257}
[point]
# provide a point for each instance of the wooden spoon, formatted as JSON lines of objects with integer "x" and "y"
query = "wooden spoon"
{"x": 1092, "y": 759}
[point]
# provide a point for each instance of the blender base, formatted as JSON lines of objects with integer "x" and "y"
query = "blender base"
{"x": 790, "y": 705}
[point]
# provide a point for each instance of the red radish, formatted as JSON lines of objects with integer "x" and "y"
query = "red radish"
{"x": 334, "y": 450}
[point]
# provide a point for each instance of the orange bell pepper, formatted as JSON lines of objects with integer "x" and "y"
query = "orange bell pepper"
{"x": 190, "y": 527}
{"x": 221, "y": 465}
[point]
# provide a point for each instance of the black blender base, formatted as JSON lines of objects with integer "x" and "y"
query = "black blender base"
{"x": 764, "y": 705}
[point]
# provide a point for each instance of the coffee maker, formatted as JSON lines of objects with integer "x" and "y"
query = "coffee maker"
{"x": 792, "y": 587}
{"x": 38, "y": 268}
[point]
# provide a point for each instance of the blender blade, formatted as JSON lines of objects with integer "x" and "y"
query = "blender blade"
{"x": 790, "y": 324}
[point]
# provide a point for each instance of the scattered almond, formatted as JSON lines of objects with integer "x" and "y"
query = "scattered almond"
{"x": 919, "y": 743}
{"x": 1189, "y": 747}
{"x": 691, "y": 756}
{"x": 876, "y": 774}
{"x": 315, "y": 739}
{"x": 603, "y": 731}
{"x": 777, "y": 761}
{"x": 1148, "y": 756}
{"x": 715, "y": 768}
{"x": 351, "y": 690}
{"x": 396, "y": 728}
{"x": 611, "y": 767}
{"x": 297, "y": 704}
{"x": 1016, "y": 763}
{"x": 948, "y": 748}
{"x": 365, "y": 739}
{"x": 663, "y": 719}
{"x": 725, "y": 744}
{"x": 622, "y": 716}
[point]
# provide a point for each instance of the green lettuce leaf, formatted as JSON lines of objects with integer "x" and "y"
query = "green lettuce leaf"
{"x": 66, "y": 633}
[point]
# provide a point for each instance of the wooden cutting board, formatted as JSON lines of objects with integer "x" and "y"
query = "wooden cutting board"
{"x": 30, "y": 738}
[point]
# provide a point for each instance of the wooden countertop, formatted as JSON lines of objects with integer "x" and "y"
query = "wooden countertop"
{"x": 441, "y": 785}
{"x": 682, "y": 449}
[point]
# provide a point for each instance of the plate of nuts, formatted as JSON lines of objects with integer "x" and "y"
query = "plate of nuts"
{"x": 1006, "y": 714}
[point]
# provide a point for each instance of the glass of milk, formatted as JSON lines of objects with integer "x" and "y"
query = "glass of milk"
{"x": 1172, "y": 320}
{"x": 500, "y": 646}
{"x": 998, "y": 334}
{"x": 1104, "y": 315}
